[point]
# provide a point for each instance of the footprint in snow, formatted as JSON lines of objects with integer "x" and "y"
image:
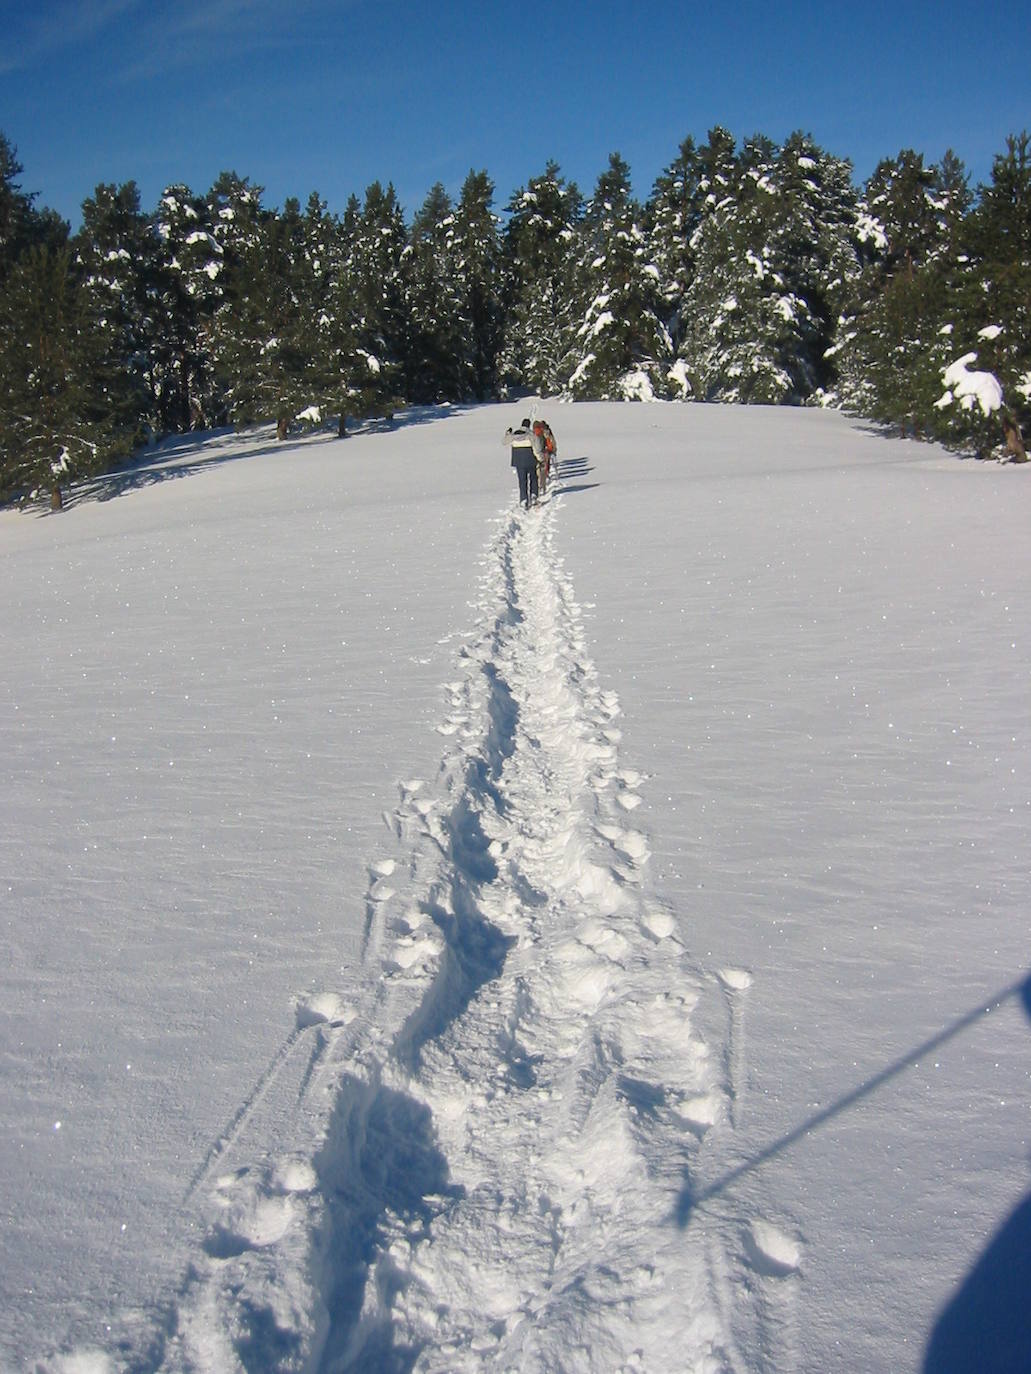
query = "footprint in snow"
{"x": 254, "y": 1223}
{"x": 294, "y": 1175}
{"x": 383, "y": 868}
{"x": 633, "y": 844}
{"x": 772, "y": 1251}
{"x": 415, "y": 951}
{"x": 602, "y": 939}
{"x": 629, "y": 801}
{"x": 699, "y": 1113}
{"x": 659, "y": 923}
{"x": 736, "y": 979}
{"x": 321, "y": 1008}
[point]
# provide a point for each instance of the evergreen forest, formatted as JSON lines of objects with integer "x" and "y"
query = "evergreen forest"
{"x": 758, "y": 273}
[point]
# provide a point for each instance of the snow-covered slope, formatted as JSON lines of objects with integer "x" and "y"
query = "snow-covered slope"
{"x": 448, "y": 938}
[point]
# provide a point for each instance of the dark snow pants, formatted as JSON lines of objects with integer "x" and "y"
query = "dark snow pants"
{"x": 525, "y": 464}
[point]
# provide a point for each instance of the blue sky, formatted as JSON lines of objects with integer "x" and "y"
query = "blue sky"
{"x": 303, "y": 95}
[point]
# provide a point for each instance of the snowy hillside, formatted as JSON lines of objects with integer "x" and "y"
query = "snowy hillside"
{"x": 449, "y": 938}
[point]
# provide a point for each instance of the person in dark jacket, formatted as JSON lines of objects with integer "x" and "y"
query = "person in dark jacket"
{"x": 526, "y": 448}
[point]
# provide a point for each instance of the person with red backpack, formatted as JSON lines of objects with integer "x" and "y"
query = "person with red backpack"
{"x": 542, "y": 431}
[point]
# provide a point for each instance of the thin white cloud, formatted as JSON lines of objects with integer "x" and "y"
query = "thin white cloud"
{"x": 188, "y": 31}
{"x": 195, "y": 32}
{"x": 32, "y": 35}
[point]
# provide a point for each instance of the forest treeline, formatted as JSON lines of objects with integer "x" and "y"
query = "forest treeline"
{"x": 756, "y": 273}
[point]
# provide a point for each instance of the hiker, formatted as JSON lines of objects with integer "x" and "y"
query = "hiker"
{"x": 526, "y": 448}
{"x": 542, "y": 430}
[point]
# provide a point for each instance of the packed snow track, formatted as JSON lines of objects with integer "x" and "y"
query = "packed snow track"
{"x": 515, "y": 1110}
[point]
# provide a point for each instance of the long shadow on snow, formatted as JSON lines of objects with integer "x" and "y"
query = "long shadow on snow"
{"x": 691, "y": 1198}
{"x": 380, "y": 1170}
{"x": 167, "y": 461}
{"x": 574, "y": 467}
{"x": 986, "y": 1325}
{"x": 565, "y": 481}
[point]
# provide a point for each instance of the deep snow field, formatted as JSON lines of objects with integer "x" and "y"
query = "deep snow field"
{"x": 447, "y": 938}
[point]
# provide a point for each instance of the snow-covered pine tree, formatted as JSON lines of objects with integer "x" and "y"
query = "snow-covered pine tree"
{"x": 434, "y": 355}
{"x": 270, "y": 364}
{"x": 989, "y": 304}
{"x": 234, "y": 212}
{"x": 540, "y": 254}
{"x": 352, "y": 372}
{"x": 477, "y": 274}
{"x": 710, "y": 178}
{"x": 118, "y": 253}
{"x": 672, "y": 216}
{"x": 57, "y": 419}
{"x": 894, "y": 339}
{"x": 815, "y": 250}
{"x": 370, "y": 313}
{"x": 733, "y": 325}
{"x": 776, "y": 252}
{"x": 622, "y": 349}
{"x": 184, "y": 300}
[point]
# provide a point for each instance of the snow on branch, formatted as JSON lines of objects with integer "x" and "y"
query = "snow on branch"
{"x": 970, "y": 389}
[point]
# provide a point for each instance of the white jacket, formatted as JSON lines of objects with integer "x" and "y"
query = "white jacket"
{"x": 524, "y": 438}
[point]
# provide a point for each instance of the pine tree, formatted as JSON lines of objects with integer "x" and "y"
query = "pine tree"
{"x": 57, "y": 420}
{"x": 118, "y": 254}
{"x": 434, "y": 356}
{"x": 672, "y": 216}
{"x": 477, "y": 273}
{"x": 22, "y": 226}
{"x": 990, "y": 304}
{"x": 234, "y": 215}
{"x": 185, "y": 300}
{"x": 271, "y": 362}
{"x": 623, "y": 349}
{"x": 893, "y": 338}
{"x": 815, "y": 249}
{"x": 538, "y": 301}
{"x": 776, "y": 255}
{"x": 366, "y": 334}
{"x": 15, "y": 209}
{"x": 733, "y": 319}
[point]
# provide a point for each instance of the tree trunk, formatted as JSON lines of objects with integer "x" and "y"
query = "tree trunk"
{"x": 342, "y": 428}
{"x": 1014, "y": 440}
{"x": 56, "y": 499}
{"x": 282, "y": 429}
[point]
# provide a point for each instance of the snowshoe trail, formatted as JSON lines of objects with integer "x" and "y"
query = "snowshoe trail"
{"x": 516, "y": 1101}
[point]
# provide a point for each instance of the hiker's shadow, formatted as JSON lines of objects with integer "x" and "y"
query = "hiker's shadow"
{"x": 986, "y": 1326}
{"x": 568, "y": 474}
